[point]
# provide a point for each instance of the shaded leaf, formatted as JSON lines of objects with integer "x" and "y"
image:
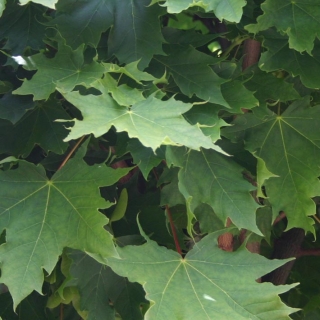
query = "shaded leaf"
{"x": 83, "y": 21}
{"x": 283, "y": 141}
{"x": 65, "y": 70}
{"x": 21, "y": 26}
{"x": 42, "y": 216}
{"x": 279, "y": 56}
{"x": 136, "y": 33}
{"x": 205, "y": 177}
{"x": 215, "y": 284}
{"x": 98, "y": 285}
{"x": 144, "y": 157}
{"x": 153, "y": 122}
{"x": 13, "y": 107}
{"x": 300, "y": 20}
{"x": 191, "y": 72}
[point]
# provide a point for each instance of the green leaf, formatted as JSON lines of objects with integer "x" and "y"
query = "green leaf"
{"x": 65, "y": 71}
{"x": 216, "y": 284}
{"x": 279, "y": 56}
{"x": 268, "y": 87}
{"x": 2, "y": 6}
{"x": 191, "y": 72}
{"x": 205, "y": 177}
{"x": 131, "y": 70}
{"x": 45, "y": 215}
{"x": 121, "y": 206}
{"x": 153, "y": 122}
{"x": 144, "y": 157}
{"x": 43, "y": 131}
{"x": 13, "y": 107}
{"x": 98, "y": 285}
{"x": 123, "y": 94}
{"x": 83, "y": 21}
{"x": 283, "y": 141}
{"x": 47, "y": 3}
{"x": 23, "y": 27}
{"x": 300, "y": 20}
{"x": 136, "y": 33}
{"x": 230, "y": 10}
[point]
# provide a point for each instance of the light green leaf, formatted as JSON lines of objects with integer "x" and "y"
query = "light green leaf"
{"x": 83, "y": 21}
{"x": 279, "y": 57}
{"x": 153, "y": 122}
{"x": 123, "y": 94}
{"x": 98, "y": 285}
{"x": 262, "y": 175}
{"x": 230, "y": 10}
{"x": 289, "y": 146}
{"x": 47, "y": 3}
{"x": 205, "y": 176}
{"x": 136, "y": 33}
{"x": 121, "y": 206}
{"x": 191, "y": 72}
{"x": 2, "y": 6}
{"x": 131, "y": 70}
{"x": 213, "y": 284}
{"x": 46, "y": 215}
{"x": 300, "y": 20}
{"x": 65, "y": 71}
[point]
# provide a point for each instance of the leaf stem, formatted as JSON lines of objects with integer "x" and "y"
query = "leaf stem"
{"x": 71, "y": 153}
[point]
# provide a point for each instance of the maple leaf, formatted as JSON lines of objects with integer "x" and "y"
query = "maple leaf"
{"x": 279, "y": 56}
{"x": 230, "y": 10}
{"x": 215, "y": 284}
{"x": 300, "y": 20}
{"x": 98, "y": 15}
{"x": 98, "y": 285}
{"x": 136, "y": 33}
{"x": 204, "y": 177}
{"x": 282, "y": 142}
{"x": 191, "y": 72}
{"x": 22, "y": 27}
{"x": 65, "y": 70}
{"x": 42, "y": 216}
{"x": 47, "y": 3}
{"x": 152, "y": 121}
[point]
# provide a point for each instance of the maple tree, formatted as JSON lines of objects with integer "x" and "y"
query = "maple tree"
{"x": 159, "y": 159}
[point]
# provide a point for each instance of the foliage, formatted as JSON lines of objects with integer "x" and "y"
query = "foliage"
{"x": 135, "y": 136}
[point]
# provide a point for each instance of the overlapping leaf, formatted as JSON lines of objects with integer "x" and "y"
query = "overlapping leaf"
{"x": 191, "y": 72}
{"x": 136, "y": 33}
{"x": 65, "y": 70}
{"x": 42, "y": 216}
{"x": 299, "y": 19}
{"x": 152, "y": 121}
{"x": 98, "y": 285}
{"x": 289, "y": 146}
{"x": 279, "y": 57}
{"x": 205, "y": 177}
{"x": 47, "y": 3}
{"x": 83, "y": 21}
{"x": 230, "y": 10}
{"x": 215, "y": 284}
{"x": 21, "y": 26}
